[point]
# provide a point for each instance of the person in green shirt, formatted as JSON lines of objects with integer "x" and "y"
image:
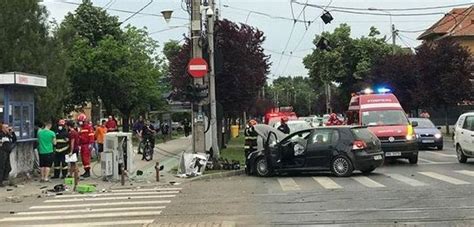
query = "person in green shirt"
{"x": 46, "y": 142}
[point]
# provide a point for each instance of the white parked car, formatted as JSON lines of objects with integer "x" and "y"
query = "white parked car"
{"x": 464, "y": 137}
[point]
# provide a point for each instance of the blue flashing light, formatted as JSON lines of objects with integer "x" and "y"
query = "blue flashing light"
{"x": 383, "y": 90}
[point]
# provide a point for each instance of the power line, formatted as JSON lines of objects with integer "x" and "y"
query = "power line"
{"x": 171, "y": 28}
{"x": 371, "y": 13}
{"x": 286, "y": 46}
{"x": 265, "y": 14}
{"x": 141, "y": 9}
{"x": 125, "y": 11}
{"x": 393, "y": 9}
{"x": 403, "y": 41}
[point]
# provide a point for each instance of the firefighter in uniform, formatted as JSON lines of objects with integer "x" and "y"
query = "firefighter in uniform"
{"x": 86, "y": 139}
{"x": 62, "y": 147}
{"x": 250, "y": 138}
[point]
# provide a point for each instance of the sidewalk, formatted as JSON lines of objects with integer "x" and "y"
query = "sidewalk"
{"x": 166, "y": 153}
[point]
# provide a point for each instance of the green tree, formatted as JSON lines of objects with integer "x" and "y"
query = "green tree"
{"x": 348, "y": 62}
{"x": 444, "y": 69}
{"x": 127, "y": 73}
{"x": 26, "y": 45}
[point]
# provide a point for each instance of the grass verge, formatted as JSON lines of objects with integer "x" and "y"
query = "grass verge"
{"x": 235, "y": 150}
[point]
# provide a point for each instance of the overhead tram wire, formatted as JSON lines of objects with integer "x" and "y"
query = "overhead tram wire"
{"x": 264, "y": 14}
{"x": 390, "y": 9}
{"x": 286, "y": 46}
{"x": 141, "y": 9}
{"x": 304, "y": 34}
{"x": 125, "y": 11}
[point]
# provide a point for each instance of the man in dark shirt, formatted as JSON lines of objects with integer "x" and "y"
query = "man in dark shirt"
{"x": 148, "y": 133}
{"x": 8, "y": 140}
{"x": 284, "y": 127}
{"x": 138, "y": 130}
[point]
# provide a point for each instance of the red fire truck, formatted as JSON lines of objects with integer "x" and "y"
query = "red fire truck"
{"x": 275, "y": 115}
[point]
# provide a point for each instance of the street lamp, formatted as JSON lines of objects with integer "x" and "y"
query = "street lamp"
{"x": 167, "y": 15}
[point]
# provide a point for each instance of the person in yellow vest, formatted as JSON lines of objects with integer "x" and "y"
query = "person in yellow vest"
{"x": 62, "y": 147}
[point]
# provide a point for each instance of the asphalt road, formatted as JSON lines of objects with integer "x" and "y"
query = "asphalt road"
{"x": 437, "y": 192}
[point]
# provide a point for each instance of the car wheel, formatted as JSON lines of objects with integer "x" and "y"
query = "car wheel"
{"x": 342, "y": 166}
{"x": 368, "y": 170}
{"x": 261, "y": 167}
{"x": 413, "y": 160}
{"x": 461, "y": 157}
{"x": 439, "y": 147}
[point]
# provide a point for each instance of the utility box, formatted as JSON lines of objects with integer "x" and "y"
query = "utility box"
{"x": 118, "y": 152}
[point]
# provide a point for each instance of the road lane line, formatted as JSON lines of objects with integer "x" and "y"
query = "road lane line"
{"x": 406, "y": 180}
{"x": 466, "y": 172}
{"x": 288, "y": 184}
{"x": 146, "y": 190}
{"x": 368, "y": 182}
{"x": 89, "y": 210}
{"x": 441, "y": 154}
{"x": 327, "y": 183}
{"x": 63, "y": 206}
{"x": 108, "y": 198}
{"x": 425, "y": 160}
{"x": 82, "y": 216}
{"x": 444, "y": 178}
{"x": 116, "y": 194}
{"x": 104, "y": 223}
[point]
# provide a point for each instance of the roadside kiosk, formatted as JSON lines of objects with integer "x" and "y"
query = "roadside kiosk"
{"x": 17, "y": 108}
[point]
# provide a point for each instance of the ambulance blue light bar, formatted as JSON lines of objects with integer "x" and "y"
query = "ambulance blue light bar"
{"x": 383, "y": 90}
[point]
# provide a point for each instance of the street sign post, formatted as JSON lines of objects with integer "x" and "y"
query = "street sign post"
{"x": 197, "y": 67}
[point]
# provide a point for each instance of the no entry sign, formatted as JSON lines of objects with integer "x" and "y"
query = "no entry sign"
{"x": 197, "y": 67}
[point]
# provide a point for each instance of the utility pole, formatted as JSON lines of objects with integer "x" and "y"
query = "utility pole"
{"x": 394, "y": 38}
{"x": 199, "y": 144}
{"x": 212, "y": 80}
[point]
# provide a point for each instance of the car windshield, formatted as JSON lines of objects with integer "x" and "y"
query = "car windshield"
{"x": 384, "y": 117}
{"x": 423, "y": 122}
{"x": 296, "y": 126}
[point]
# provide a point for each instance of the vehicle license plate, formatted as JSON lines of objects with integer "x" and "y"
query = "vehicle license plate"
{"x": 427, "y": 141}
{"x": 378, "y": 157}
{"x": 393, "y": 154}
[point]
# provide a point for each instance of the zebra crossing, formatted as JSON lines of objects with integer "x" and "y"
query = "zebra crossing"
{"x": 114, "y": 207}
{"x": 377, "y": 180}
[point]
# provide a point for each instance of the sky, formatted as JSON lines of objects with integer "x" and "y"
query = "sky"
{"x": 279, "y": 38}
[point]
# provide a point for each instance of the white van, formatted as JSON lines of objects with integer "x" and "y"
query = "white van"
{"x": 464, "y": 137}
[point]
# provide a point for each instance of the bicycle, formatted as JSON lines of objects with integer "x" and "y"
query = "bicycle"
{"x": 148, "y": 150}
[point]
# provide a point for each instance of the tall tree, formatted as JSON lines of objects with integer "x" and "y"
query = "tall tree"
{"x": 26, "y": 45}
{"x": 399, "y": 73}
{"x": 241, "y": 66}
{"x": 347, "y": 61}
{"x": 444, "y": 69}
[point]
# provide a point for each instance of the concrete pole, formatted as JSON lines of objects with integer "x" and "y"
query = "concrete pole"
{"x": 212, "y": 81}
{"x": 394, "y": 38}
{"x": 199, "y": 144}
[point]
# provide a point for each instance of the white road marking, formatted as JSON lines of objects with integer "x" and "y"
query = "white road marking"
{"x": 441, "y": 154}
{"x": 82, "y": 216}
{"x": 288, "y": 184}
{"x": 406, "y": 180}
{"x": 146, "y": 190}
{"x": 368, "y": 182}
{"x": 115, "y": 194}
{"x": 444, "y": 178}
{"x": 104, "y": 223}
{"x": 89, "y": 210}
{"x": 108, "y": 198}
{"x": 327, "y": 183}
{"x": 466, "y": 172}
{"x": 64, "y": 206}
{"x": 425, "y": 160}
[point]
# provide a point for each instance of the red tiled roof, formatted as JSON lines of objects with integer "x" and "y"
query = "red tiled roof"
{"x": 458, "y": 22}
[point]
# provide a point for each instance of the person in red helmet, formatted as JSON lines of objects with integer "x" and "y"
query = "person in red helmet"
{"x": 284, "y": 127}
{"x": 86, "y": 139}
{"x": 334, "y": 120}
{"x": 62, "y": 147}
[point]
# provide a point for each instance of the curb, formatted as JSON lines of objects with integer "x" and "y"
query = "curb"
{"x": 219, "y": 175}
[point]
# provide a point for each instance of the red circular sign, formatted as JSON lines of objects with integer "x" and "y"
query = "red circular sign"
{"x": 197, "y": 67}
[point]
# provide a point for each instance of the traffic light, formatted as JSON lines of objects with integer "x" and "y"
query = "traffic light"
{"x": 323, "y": 44}
{"x": 197, "y": 93}
{"x": 327, "y": 17}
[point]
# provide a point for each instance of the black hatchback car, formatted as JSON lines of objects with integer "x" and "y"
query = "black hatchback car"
{"x": 340, "y": 149}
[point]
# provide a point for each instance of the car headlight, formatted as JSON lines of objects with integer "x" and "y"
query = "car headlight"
{"x": 438, "y": 136}
{"x": 410, "y": 137}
